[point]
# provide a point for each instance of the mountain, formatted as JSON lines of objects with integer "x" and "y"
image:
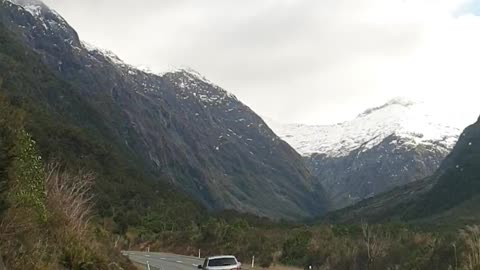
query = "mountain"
{"x": 384, "y": 147}
{"x": 450, "y": 196}
{"x": 457, "y": 182}
{"x": 176, "y": 126}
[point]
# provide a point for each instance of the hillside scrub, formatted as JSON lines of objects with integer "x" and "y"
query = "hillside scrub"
{"x": 44, "y": 218}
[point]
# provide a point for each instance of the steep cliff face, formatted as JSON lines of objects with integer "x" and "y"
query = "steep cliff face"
{"x": 385, "y": 147}
{"x": 181, "y": 126}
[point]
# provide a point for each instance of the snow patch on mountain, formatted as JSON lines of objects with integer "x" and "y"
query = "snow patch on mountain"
{"x": 35, "y": 10}
{"x": 106, "y": 53}
{"x": 415, "y": 121}
{"x": 49, "y": 18}
{"x": 192, "y": 74}
{"x": 33, "y": 7}
{"x": 190, "y": 83}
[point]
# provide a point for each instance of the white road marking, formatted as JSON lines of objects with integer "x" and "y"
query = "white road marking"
{"x": 179, "y": 262}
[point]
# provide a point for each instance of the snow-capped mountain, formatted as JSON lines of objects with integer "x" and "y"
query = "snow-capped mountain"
{"x": 178, "y": 126}
{"x": 408, "y": 119}
{"x": 449, "y": 196}
{"x": 386, "y": 146}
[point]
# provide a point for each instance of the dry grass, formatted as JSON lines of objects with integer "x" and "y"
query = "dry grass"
{"x": 471, "y": 238}
{"x": 375, "y": 244}
{"x": 70, "y": 198}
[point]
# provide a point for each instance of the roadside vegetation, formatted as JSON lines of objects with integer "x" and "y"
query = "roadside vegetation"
{"x": 360, "y": 246}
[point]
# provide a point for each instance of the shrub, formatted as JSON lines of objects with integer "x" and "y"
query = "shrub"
{"x": 28, "y": 175}
{"x": 295, "y": 250}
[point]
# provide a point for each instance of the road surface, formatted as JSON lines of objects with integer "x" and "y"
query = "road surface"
{"x": 164, "y": 261}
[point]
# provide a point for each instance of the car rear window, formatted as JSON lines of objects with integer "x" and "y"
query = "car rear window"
{"x": 222, "y": 262}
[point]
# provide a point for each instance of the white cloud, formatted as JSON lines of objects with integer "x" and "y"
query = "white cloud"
{"x": 299, "y": 61}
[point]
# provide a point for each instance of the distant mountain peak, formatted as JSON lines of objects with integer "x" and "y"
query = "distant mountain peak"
{"x": 415, "y": 121}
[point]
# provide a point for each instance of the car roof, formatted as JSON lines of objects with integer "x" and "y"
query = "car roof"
{"x": 221, "y": 257}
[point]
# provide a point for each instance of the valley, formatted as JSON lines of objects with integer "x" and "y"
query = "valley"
{"x": 100, "y": 159}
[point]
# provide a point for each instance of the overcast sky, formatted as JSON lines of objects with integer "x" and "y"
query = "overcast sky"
{"x": 307, "y": 61}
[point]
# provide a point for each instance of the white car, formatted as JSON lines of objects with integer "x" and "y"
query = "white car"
{"x": 221, "y": 263}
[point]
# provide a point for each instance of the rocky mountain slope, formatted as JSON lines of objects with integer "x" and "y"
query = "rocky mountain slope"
{"x": 449, "y": 196}
{"x": 384, "y": 147}
{"x": 178, "y": 125}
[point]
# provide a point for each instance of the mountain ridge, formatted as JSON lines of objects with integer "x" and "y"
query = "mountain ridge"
{"x": 185, "y": 129}
{"x": 397, "y": 116}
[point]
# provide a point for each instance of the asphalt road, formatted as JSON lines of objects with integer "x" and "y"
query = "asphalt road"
{"x": 164, "y": 261}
